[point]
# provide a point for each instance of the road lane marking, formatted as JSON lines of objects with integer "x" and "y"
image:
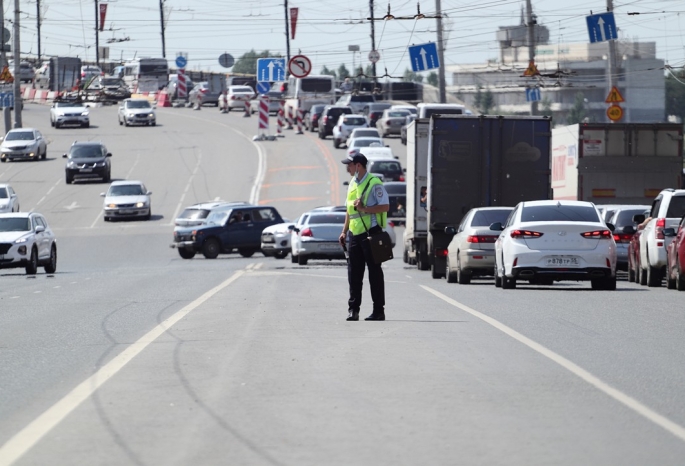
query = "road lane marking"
{"x": 333, "y": 170}
{"x": 187, "y": 188}
{"x": 29, "y": 436}
{"x": 303, "y": 167}
{"x": 287, "y": 199}
{"x": 46, "y": 195}
{"x": 626, "y": 400}
{"x": 292, "y": 183}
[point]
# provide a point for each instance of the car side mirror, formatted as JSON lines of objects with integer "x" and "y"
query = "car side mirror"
{"x": 629, "y": 230}
{"x": 639, "y": 218}
{"x": 64, "y": 156}
{"x": 669, "y": 232}
{"x": 291, "y": 227}
{"x": 450, "y": 231}
{"x": 296, "y": 230}
{"x": 611, "y": 227}
{"x": 109, "y": 154}
{"x": 404, "y": 170}
{"x": 102, "y": 194}
{"x": 149, "y": 193}
{"x": 346, "y": 183}
{"x": 40, "y": 228}
{"x": 497, "y": 226}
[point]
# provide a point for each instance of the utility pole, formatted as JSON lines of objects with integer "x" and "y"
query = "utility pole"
{"x": 441, "y": 53}
{"x": 161, "y": 17}
{"x": 373, "y": 44}
{"x": 531, "y": 46}
{"x": 38, "y": 26}
{"x": 287, "y": 36}
{"x": 17, "y": 68}
{"x": 3, "y": 55}
{"x": 613, "y": 79}
{"x": 97, "y": 35}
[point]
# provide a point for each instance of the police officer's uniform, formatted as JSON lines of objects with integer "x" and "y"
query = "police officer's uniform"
{"x": 372, "y": 193}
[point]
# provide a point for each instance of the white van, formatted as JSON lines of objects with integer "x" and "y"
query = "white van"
{"x": 309, "y": 91}
{"x": 426, "y": 110}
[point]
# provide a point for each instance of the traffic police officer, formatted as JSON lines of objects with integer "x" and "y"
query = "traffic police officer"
{"x": 367, "y": 206}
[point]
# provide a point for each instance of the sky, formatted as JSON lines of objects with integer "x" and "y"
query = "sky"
{"x": 204, "y": 29}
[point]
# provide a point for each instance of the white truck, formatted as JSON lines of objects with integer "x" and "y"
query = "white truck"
{"x": 305, "y": 92}
{"x": 616, "y": 163}
{"x": 416, "y": 231}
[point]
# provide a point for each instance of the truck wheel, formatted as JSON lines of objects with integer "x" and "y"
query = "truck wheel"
{"x": 435, "y": 272}
{"x": 422, "y": 261}
{"x": 211, "y": 248}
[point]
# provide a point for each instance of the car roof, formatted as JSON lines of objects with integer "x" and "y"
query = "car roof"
{"x": 17, "y": 214}
{"x": 555, "y": 202}
{"x": 19, "y": 130}
{"x": 329, "y": 208}
{"x": 125, "y": 182}
{"x": 87, "y": 143}
{"x": 383, "y": 159}
{"x": 498, "y": 207}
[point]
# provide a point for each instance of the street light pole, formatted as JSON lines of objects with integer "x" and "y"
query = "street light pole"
{"x": 373, "y": 44}
{"x": 97, "y": 35}
{"x": 38, "y": 26}
{"x": 17, "y": 68}
{"x": 161, "y": 17}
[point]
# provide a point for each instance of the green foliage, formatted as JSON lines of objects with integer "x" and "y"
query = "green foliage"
{"x": 325, "y": 70}
{"x": 675, "y": 95}
{"x": 410, "y": 76}
{"x": 546, "y": 107}
{"x": 577, "y": 113}
{"x": 432, "y": 78}
{"x": 247, "y": 64}
{"x": 484, "y": 101}
{"x": 343, "y": 72}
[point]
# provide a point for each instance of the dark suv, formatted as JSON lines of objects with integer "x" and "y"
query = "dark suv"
{"x": 329, "y": 117}
{"x": 87, "y": 160}
{"x": 234, "y": 227}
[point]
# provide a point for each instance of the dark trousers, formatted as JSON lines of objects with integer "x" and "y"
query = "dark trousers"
{"x": 359, "y": 258}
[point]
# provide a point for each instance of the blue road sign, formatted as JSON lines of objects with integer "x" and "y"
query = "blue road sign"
{"x": 270, "y": 69}
{"x": 263, "y": 87}
{"x": 7, "y": 99}
{"x": 601, "y": 27}
{"x": 181, "y": 61}
{"x": 533, "y": 94}
{"x": 424, "y": 57}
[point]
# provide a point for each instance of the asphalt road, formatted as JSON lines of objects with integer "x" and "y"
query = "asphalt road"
{"x": 131, "y": 355}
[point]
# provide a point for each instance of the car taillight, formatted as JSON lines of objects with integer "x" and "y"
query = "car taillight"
{"x": 402, "y": 178}
{"x": 232, "y": 97}
{"x": 307, "y": 232}
{"x": 441, "y": 253}
{"x": 525, "y": 234}
{"x": 325, "y": 119}
{"x": 391, "y": 224}
{"x": 83, "y": 75}
{"x": 597, "y": 234}
{"x": 659, "y": 230}
{"x": 204, "y": 91}
{"x": 622, "y": 237}
{"x": 481, "y": 239}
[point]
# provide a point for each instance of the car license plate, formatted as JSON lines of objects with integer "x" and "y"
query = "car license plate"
{"x": 86, "y": 170}
{"x": 268, "y": 239}
{"x": 330, "y": 247}
{"x": 127, "y": 211}
{"x": 563, "y": 261}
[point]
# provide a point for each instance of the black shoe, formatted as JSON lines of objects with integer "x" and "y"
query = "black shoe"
{"x": 376, "y": 316}
{"x": 353, "y": 316}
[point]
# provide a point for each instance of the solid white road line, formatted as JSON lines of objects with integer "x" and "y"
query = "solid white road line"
{"x": 29, "y": 436}
{"x": 187, "y": 188}
{"x": 46, "y": 194}
{"x": 628, "y": 401}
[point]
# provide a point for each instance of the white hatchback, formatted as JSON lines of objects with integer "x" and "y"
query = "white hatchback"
{"x": 344, "y": 127}
{"x": 544, "y": 241}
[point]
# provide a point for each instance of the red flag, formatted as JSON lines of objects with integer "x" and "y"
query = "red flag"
{"x": 103, "y": 13}
{"x": 293, "y": 22}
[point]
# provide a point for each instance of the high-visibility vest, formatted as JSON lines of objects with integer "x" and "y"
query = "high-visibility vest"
{"x": 354, "y": 191}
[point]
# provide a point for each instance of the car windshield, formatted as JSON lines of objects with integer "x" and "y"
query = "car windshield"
{"x": 386, "y": 167}
{"x": 355, "y": 121}
{"x": 336, "y": 218}
{"x": 194, "y": 214}
{"x": 218, "y": 218}
{"x": 365, "y": 142}
{"x": 559, "y": 213}
{"x": 138, "y": 104}
{"x": 242, "y": 90}
{"x": 15, "y": 224}
{"x": 111, "y": 82}
{"x": 86, "y": 152}
{"x": 19, "y": 136}
{"x": 126, "y": 190}
{"x": 397, "y": 114}
{"x": 624, "y": 217}
{"x": 3, "y": 193}
{"x": 68, "y": 104}
{"x": 676, "y": 208}
{"x": 485, "y": 218}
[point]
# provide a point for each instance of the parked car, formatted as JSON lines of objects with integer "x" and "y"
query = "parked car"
{"x": 69, "y": 112}
{"x": 667, "y": 210}
{"x": 343, "y": 128}
{"x": 391, "y": 169}
{"x": 239, "y": 227}
{"x": 202, "y": 94}
{"x": 197, "y": 214}
{"x": 357, "y": 102}
{"x": 276, "y": 240}
{"x": 23, "y": 143}
{"x": 27, "y": 241}
{"x": 238, "y": 95}
{"x": 311, "y": 120}
{"x": 329, "y": 117}
{"x": 391, "y": 122}
{"x": 87, "y": 160}
{"x": 137, "y": 112}
{"x": 403, "y": 131}
{"x": 471, "y": 253}
{"x": 375, "y": 111}
{"x": 577, "y": 245}
{"x": 317, "y": 237}
{"x": 127, "y": 199}
{"x": 675, "y": 253}
{"x": 621, "y": 218}
{"x": 9, "y": 201}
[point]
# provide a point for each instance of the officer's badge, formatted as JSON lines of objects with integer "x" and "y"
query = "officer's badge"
{"x": 379, "y": 192}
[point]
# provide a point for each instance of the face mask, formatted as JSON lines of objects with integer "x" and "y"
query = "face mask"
{"x": 356, "y": 174}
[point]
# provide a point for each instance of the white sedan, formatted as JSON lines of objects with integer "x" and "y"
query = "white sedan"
{"x": 23, "y": 143}
{"x": 69, "y": 113}
{"x": 27, "y": 241}
{"x": 127, "y": 199}
{"x": 9, "y": 201}
{"x": 543, "y": 241}
{"x": 276, "y": 240}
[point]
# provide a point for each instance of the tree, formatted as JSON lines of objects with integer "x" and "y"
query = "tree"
{"x": 325, "y": 70}
{"x": 343, "y": 72}
{"x": 247, "y": 64}
{"x": 484, "y": 101}
{"x": 577, "y": 113}
{"x": 410, "y": 76}
{"x": 432, "y": 78}
{"x": 675, "y": 95}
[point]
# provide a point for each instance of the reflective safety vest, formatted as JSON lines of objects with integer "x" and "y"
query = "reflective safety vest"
{"x": 354, "y": 192}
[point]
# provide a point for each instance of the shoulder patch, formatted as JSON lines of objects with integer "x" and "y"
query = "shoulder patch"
{"x": 379, "y": 192}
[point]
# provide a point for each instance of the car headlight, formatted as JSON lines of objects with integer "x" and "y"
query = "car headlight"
{"x": 84, "y": 113}
{"x": 141, "y": 204}
{"x": 71, "y": 164}
{"x": 151, "y": 115}
{"x": 111, "y": 206}
{"x": 21, "y": 240}
{"x": 130, "y": 114}
{"x": 100, "y": 164}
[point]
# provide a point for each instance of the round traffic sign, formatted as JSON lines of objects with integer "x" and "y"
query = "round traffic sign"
{"x": 6, "y": 36}
{"x": 300, "y": 66}
{"x": 615, "y": 113}
{"x": 226, "y": 60}
{"x": 181, "y": 61}
{"x": 263, "y": 87}
{"x": 374, "y": 56}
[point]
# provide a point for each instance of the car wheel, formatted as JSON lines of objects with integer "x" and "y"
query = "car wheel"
{"x": 85, "y": 125}
{"x": 670, "y": 281}
{"x": 125, "y": 123}
{"x": 246, "y": 252}
{"x": 302, "y": 260}
{"x": 336, "y": 143}
{"x": 679, "y": 277}
{"x": 57, "y": 125}
{"x": 422, "y": 261}
{"x": 45, "y": 154}
{"x": 211, "y": 248}
{"x": 462, "y": 278}
{"x": 631, "y": 272}
{"x": 32, "y": 267}
{"x": 405, "y": 257}
{"x": 281, "y": 255}
{"x": 69, "y": 179}
{"x": 186, "y": 253}
{"x": 52, "y": 123}
{"x": 451, "y": 277}
{"x": 498, "y": 279}
{"x": 641, "y": 275}
{"x": 508, "y": 283}
{"x": 51, "y": 266}
{"x": 121, "y": 123}
{"x": 653, "y": 275}
{"x": 107, "y": 178}
{"x": 293, "y": 258}
{"x": 435, "y": 272}
{"x": 3, "y": 160}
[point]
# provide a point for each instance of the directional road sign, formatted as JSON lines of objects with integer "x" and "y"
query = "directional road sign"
{"x": 300, "y": 66}
{"x": 7, "y": 99}
{"x": 602, "y": 27}
{"x": 181, "y": 61}
{"x": 271, "y": 69}
{"x": 424, "y": 57}
{"x": 263, "y": 87}
{"x": 533, "y": 94}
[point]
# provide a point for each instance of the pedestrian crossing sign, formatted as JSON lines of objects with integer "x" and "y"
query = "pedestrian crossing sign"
{"x": 614, "y": 96}
{"x": 6, "y": 75}
{"x": 532, "y": 70}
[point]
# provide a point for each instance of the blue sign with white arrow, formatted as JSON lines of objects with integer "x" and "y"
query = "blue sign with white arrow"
{"x": 263, "y": 87}
{"x": 533, "y": 94}
{"x": 270, "y": 69}
{"x": 7, "y": 99}
{"x": 181, "y": 61}
{"x": 602, "y": 27}
{"x": 424, "y": 57}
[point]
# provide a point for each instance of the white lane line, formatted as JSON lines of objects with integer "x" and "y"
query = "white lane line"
{"x": 46, "y": 194}
{"x": 187, "y": 188}
{"x": 30, "y": 435}
{"x": 259, "y": 266}
{"x": 128, "y": 175}
{"x": 628, "y": 401}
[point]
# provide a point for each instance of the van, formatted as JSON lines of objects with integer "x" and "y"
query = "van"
{"x": 426, "y": 110}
